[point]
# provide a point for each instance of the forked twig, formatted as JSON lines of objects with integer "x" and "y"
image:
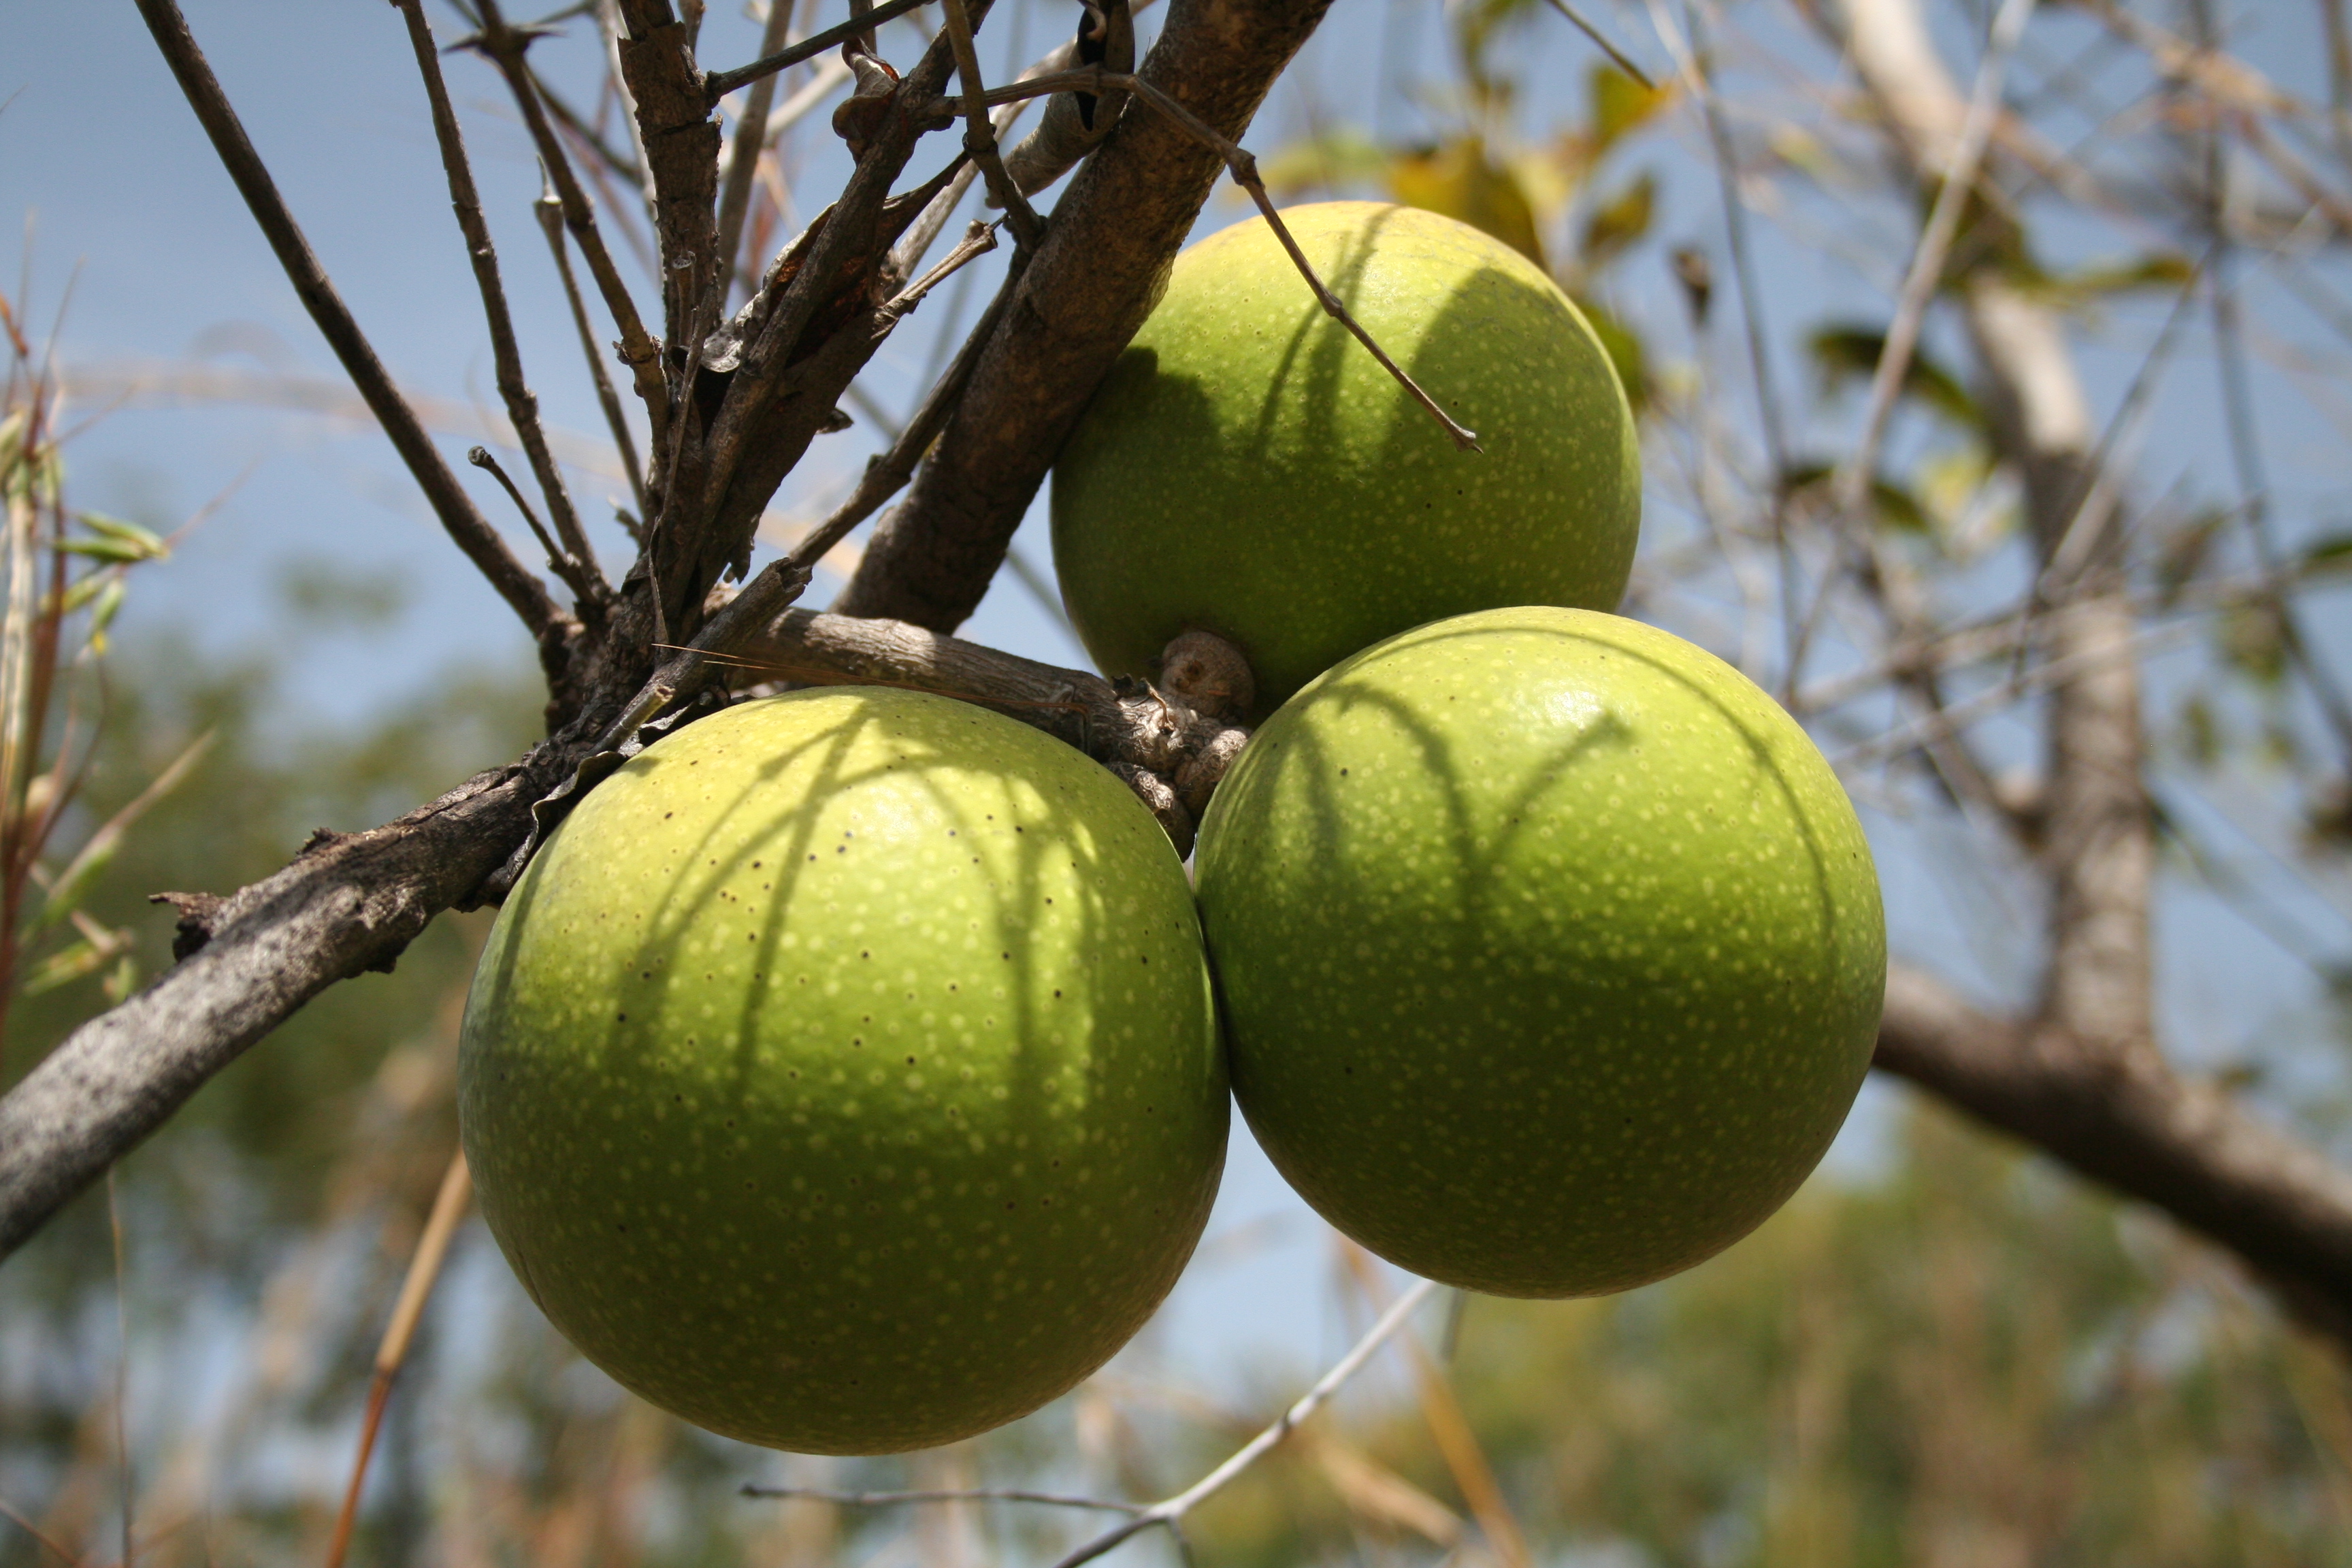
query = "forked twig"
{"x": 522, "y": 406}
{"x": 1168, "y": 1512}
{"x": 424, "y": 1268}
{"x": 719, "y": 84}
{"x": 463, "y": 521}
{"x": 752, "y": 134}
{"x": 503, "y": 46}
{"x": 980, "y": 133}
{"x": 891, "y": 1499}
{"x": 549, "y": 208}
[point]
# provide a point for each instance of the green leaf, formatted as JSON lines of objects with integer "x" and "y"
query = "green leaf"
{"x": 1619, "y": 222}
{"x": 116, "y": 539}
{"x": 101, "y": 616}
{"x": 1459, "y": 180}
{"x": 1620, "y": 104}
{"x": 1896, "y": 507}
{"x": 2326, "y": 556}
{"x": 72, "y": 882}
{"x": 65, "y": 966}
{"x": 1627, "y": 353}
{"x": 1337, "y": 159}
{"x": 1851, "y": 352}
{"x": 2164, "y": 269}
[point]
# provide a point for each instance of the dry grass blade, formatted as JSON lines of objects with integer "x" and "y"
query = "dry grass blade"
{"x": 424, "y": 1267}
{"x": 1451, "y": 1429}
{"x": 982, "y": 1494}
{"x": 10, "y": 1512}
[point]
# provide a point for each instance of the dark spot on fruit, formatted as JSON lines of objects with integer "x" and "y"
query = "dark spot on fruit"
{"x": 911, "y": 1062}
{"x": 1057, "y": 995}
{"x": 1343, "y": 773}
{"x": 668, "y": 815}
{"x": 867, "y": 952}
{"x": 621, "y": 1017}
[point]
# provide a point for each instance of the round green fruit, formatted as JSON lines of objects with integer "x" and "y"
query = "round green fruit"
{"x": 1550, "y": 949}
{"x": 843, "y": 1075}
{"x": 1248, "y": 470}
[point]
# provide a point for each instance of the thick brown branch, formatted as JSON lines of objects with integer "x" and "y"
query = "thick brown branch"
{"x": 472, "y": 531}
{"x": 1123, "y": 723}
{"x": 346, "y": 904}
{"x": 2134, "y": 1125}
{"x": 1125, "y": 213}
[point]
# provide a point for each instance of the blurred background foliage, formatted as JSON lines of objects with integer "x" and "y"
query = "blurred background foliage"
{"x": 1951, "y": 1355}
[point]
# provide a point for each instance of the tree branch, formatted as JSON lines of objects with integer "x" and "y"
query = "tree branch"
{"x": 576, "y": 561}
{"x": 522, "y": 591}
{"x": 2134, "y": 1125}
{"x": 2083, "y": 1077}
{"x": 347, "y": 903}
{"x": 1123, "y": 218}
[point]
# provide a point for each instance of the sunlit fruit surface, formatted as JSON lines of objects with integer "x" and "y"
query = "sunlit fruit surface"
{"x": 1248, "y": 468}
{"x": 1551, "y": 950}
{"x": 843, "y": 1076}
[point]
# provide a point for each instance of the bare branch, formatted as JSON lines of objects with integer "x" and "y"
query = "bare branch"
{"x": 1617, "y": 57}
{"x": 719, "y": 84}
{"x": 463, "y": 522}
{"x": 751, "y": 136}
{"x": 504, "y": 47}
{"x": 2140, "y": 1128}
{"x": 549, "y": 208}
{"x": 1169, "y": 1512}
{"x": 893, "y": 1499}
{"x": 980, "y": 135}
{"x": 522, "y": 406}
{"x": 348, "y": 903}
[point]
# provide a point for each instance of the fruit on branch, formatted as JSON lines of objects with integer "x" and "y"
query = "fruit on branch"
{"x": 1550, "y": 949}
{"x": 1248, "y": 468}
{"x": 843, "y": 1075}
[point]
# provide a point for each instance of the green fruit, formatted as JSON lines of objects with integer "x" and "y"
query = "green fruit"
{"x": 1550, "y": 949}
{"x": 843, "y": 1075}
{"x": 1248, "y": 470}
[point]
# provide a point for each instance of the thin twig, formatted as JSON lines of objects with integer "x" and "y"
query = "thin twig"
{"x": 424, "y": 1268}
{"x": 1244, "y": 169}
{"x": 563, "y": 566}
{"x": 1168, "y": 1512}
{"x": 890, "y": 1499}
{"x": 1853, "y": 476}
{"x": 751, "y": 135}
{"x": 504, "y": 47}
{"x": 1617, "y": 57}
{"x": 719, "y": 84}
{"x": 463, "y": 522}
{"x": 979, "y": 134}
{"x": 549, "y": 208}
{"x": 522, "y": 404}
{"x": 1695, "y": 68}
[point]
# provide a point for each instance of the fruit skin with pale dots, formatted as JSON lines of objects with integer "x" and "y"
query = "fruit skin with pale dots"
{"x": 1549, "y": 947}
{"x": 1247, "y": 468}
{"x": 842, "y": 1074}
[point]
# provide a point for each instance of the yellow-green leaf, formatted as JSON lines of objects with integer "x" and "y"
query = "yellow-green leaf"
{"x": 1461, "y": 180}
{"x": 1618, "y": 221}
